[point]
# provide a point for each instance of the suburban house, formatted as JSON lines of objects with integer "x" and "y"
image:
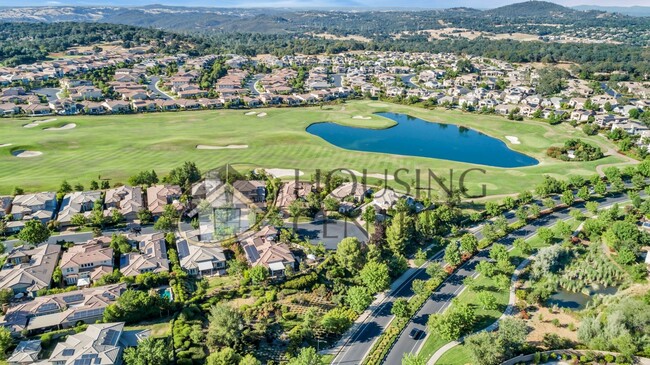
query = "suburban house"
{"x": 126, "y": 199}
{"x": 62, "y": 310}
{"x": 5, "y": 205}
{"x": 203, "y": 188}
{"x": 292, "y": 191}
{"x": 160, "y": 195}
{"x": 254, "y": 190}
{"x": 84, "y": 263}
{"x": 260, "y": 250}
{"x": 40, "y": 206}
{"x": 152, "y": 256}
{"x": 25, "y": 353}
{"x": 78, "y": 202}
{"x": 356, "y": 191}
{"x": 99, "y": 344}
{"x": 28, "y": 270}
{"x": 385, "y": 199}
{"x": 201, "y": 260}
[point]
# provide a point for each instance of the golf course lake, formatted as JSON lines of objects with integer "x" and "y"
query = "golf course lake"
{"x": 416, "y": 137}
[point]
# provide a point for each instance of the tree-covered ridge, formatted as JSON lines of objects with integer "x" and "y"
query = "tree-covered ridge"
{"x": 29, "y": 42}
{"x": 26, "y": 42}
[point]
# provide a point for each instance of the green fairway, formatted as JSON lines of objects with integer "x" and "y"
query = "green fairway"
{"x": 117, "y": 147}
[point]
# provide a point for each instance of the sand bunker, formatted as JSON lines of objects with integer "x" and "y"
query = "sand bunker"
{"x": 251, "y": 113}
{"x": 361, "y": 117}
{"x": 283, "y": 172}
{"x": 26, "y": 154}
{"x": 62, "y": 128}
{"x": 228, "y": 147}
{"x": 513, "y": 140}
{"x": 36, "y": 123}
{"x": 5, "y": 145}
{"x": 261, "y": 114}
{"x": 376, "y": 176}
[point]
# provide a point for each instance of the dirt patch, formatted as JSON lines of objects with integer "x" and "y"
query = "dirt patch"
{"x": 341, "y": 38}
{"x": 545, "y": 325}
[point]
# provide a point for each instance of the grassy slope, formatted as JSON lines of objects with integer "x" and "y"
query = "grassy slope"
{"x": 116, "y": 147}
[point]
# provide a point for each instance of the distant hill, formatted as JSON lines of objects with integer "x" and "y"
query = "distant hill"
{"x": 530, "y": 9}
{"x": 626, "y": 10}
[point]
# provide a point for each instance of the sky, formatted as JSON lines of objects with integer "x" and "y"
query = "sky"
{"x": 480, "y": 4}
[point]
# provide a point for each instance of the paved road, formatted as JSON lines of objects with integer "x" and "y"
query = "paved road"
{"x": 155, "y": 91}
{"x": 337, "y": 80}
{"x": 329, "y": 232}
{"x": 78, "y": 237}
{"x": 49, "y": 92}
{"x": 250, "y": 84}
{"x": 406, "y": 79}
{"x": 453, "y": 286}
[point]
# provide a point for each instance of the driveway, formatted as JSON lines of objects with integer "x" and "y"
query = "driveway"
{"x": 330, "y": 232}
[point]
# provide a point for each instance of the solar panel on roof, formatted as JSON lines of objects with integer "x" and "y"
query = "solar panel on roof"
{"x": 68, "y": 352}
{"x": 73, "y": 298}
{"x": 111, "y": 337}
{"x": 252, "y": 253}
{"x": 47, "y": 307}
{"x": 183, "y": 249}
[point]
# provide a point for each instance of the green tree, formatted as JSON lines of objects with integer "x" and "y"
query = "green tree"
{"x": 468, "y": 243}
{"x": 349, "y": 255}
{"x": 545, "y": 234}
{"x": 359, "y": 298}
{"x": 583, "y": 193}
{"x": 6, "y": 341}
{"x": 457, "y": 320}
{"x": 534, "y": 210}
{"x": 65, "y": 187}
{"x": 399, "y": 233}
{"x": 523, "y": 246}
{"x": 307, "y": 356}
{"x": 145, "y": 216}
{"x": 150, "y": 351}
{"x": 499, "y": 253}
{"x": 337, "y": 320}
{"x": 225, "y": 328}
{"x": 225, "y": 356}
{"x": 522, "y": 214}
{"x": 401, "y": 308}
{"x": 592, "y": 207}
{"x": 369, "y": 215}
{"x": 34, "y": 232}
{"x": 452, "y": 254}
{"x": 249, "y": 360}
{"x": 78, "y": 220}
{"x": 120, "y": 244}
{"x": 487, "y": 300}
{"x": 258, "y": 274}
{"x": 375, "y": 276}
{"x": 567, "y": 198}
{"x": 563, "y": 229}
{"x": 485, "y": 348}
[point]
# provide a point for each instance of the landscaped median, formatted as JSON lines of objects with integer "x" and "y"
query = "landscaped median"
{"x": 380, "y": 349}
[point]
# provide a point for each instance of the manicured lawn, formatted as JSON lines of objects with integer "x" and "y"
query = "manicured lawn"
{"x": 458, "y": 355}
{"x": 116, "y": 147}
{"x": 159, "y": 328}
